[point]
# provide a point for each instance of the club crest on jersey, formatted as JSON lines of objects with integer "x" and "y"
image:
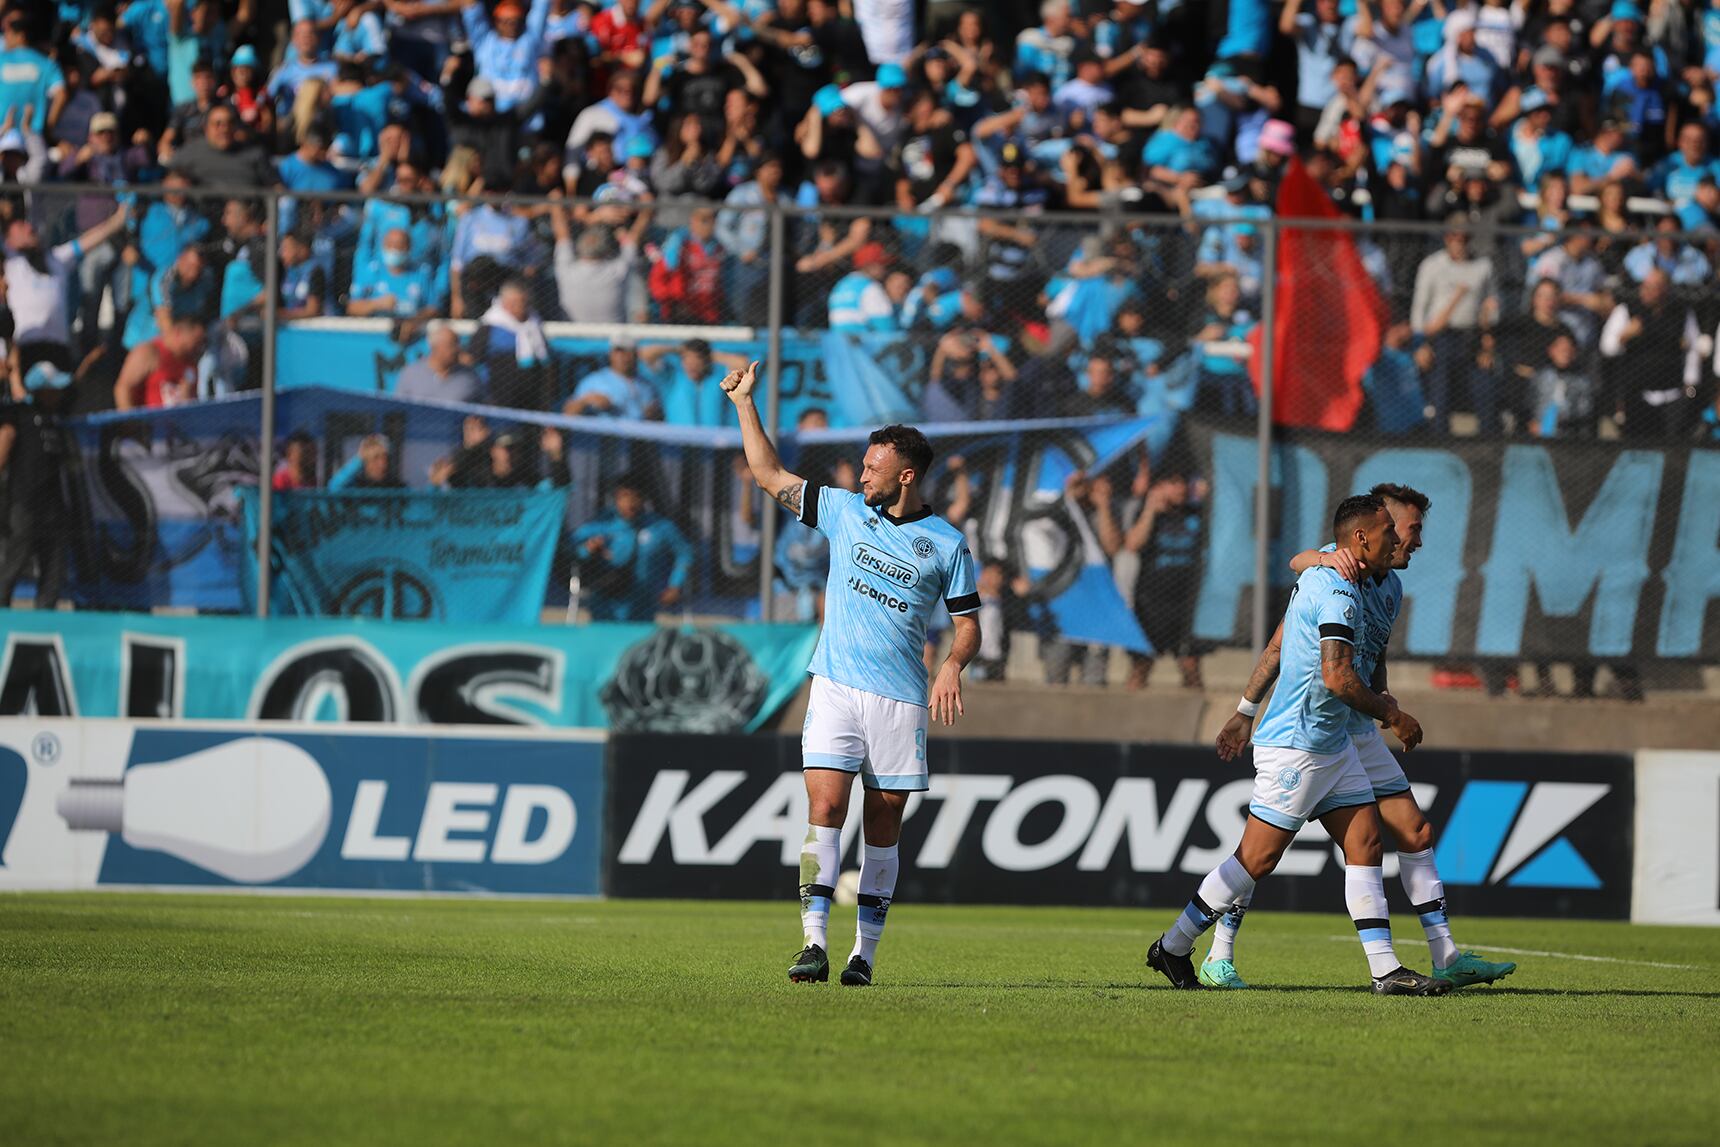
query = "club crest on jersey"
{"x": 875, "y": 561}
{"x": 923, "y": 547}
{"x": 1349, "y": 613}
{"x": 1289, "y": 779}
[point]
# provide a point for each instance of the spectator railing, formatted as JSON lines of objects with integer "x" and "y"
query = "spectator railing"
{"x": 537, "y": 351}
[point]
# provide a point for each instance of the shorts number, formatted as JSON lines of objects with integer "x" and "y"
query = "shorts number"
{"x": 919, "y": 744}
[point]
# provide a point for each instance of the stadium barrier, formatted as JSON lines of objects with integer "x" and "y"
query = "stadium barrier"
{"x": 205, "y": 804}
{"x": 94, "y": 804}
{"x": 724, "y": 678}
{"x": 1678, "y": 839}
{"x": 1012, "y": 822}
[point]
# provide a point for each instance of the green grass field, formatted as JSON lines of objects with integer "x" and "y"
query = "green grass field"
{"x": 142, "y": 1019}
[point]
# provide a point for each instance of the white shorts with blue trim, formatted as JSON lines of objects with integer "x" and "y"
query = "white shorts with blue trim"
{"x": 1294, "y": 786}
{"x": 1380, "y": 763}
{"x": 881, "y": 738}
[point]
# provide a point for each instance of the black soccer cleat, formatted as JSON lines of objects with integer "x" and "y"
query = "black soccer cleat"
{"x": 858, "y": 973}
{"x": 812, "y": 966}
{"x": 1179, "y": 970}
{"x": 1404, "y": 982}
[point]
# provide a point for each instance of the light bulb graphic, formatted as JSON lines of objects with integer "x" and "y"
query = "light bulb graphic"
{"x": 252, "y": 810}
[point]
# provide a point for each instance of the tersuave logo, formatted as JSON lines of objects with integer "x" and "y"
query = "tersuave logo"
{"x": 876, "y": 561}
{"x": 1508, "y": 832}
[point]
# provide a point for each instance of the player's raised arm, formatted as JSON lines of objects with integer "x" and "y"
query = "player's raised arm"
{"x": 767, "y": 469}
{"x": 1237, "y": 730}
{"x": 1338, "y": 672}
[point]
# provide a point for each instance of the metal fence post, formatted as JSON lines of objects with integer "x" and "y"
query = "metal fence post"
{"x": 772, "y": 403}
{"x": 1262, "y": 598}
{"x": 266, "y": 433}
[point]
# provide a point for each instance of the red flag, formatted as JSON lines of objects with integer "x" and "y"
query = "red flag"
{"x": 1329, "y": 321}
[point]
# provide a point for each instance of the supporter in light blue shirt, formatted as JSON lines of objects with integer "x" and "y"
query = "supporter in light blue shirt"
{"x": 169, "y": 225}
{"x": 1677, "y": 175}
{"x": 1683, "y": 264}
{"x": 1179, "y": 148}
{"x": 507, "y": 52}
{"x": 146, "y": 22}
{"x": 1322, "y": 37}
{"x": 858, "y": 302}
{"x": 28, "y": 79}
{"x": 1537, "y": 149}
{"x": 361, "y": 41}
{"x": 391, "y": 284}
{"x": 619, "y": 390}
{"x": 688, "y": 378}
{"x": 633, "y": 560}
{"x": 1049, "y": 49}
{"x": 304, "y": 61}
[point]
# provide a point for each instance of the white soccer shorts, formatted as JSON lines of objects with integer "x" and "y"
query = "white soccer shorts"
{"x": 1380, "y": 763}
{"x": 882, "y": 739}
{"x": 1293, "y": 786}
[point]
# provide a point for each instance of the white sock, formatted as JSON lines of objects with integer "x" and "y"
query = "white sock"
{"x": 1365, "y": 894}
{"x": 1224, "y": 887}
{"x": 877, "y": 885}
{"x": 1224, "y": 932}
{"x": 1427, "y": 892}
{"x": 818, "y": 859}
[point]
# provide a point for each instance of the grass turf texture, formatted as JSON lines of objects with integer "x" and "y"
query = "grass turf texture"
{"x": 144, "y": 1019}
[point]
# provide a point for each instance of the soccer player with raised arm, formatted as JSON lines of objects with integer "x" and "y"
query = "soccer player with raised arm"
{"x": 1305, "y": 765}
{"x": 1382, "y": 594}
{"x": 891, "y": 562}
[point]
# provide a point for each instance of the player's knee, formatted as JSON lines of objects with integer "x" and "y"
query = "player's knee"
{"x": 826, "y": 810}
{"x": 1362, "y": 846}
{"x": 1418, "y": 839}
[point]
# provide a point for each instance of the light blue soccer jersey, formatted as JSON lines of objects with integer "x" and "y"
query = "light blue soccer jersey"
{"x": 1303, "y": 713}
{"x": 1381, "y": 602}
{"x": 886, "y": 577}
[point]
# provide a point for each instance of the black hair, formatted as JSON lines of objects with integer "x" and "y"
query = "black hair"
{"x": 1353, "y": 509}
{"x": 628, "y": 480}
{"x": 906, "y": 441}
{"x": 1408, "y": 495}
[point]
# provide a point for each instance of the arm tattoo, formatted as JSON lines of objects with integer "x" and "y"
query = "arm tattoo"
{"x": 1265, "y": 671}
{"x": 790, "y": 497}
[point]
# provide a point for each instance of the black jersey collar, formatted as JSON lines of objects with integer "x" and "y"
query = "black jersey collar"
{"x": 921, "y": 514}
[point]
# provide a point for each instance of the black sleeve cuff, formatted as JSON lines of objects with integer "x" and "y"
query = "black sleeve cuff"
{"x": 966, "y": 603}
{"x": 1337, "y": 632}
{"x": 809, "y": 503}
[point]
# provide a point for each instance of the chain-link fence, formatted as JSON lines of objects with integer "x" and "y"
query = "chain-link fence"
{"x": 498, "y": 409}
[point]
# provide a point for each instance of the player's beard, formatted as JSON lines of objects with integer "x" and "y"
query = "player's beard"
{"x": 880, "y": 498}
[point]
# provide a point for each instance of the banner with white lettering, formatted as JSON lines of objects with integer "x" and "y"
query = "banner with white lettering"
{"x": 1016, "y": 822}
{"x": 622, "y": 675}
{"x": 1535, "y": 549}
{"x": 90, "y": 804}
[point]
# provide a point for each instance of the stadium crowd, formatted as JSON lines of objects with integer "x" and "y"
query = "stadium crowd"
{"x": 620, "y": 155}
{"x": 626, "y": 147}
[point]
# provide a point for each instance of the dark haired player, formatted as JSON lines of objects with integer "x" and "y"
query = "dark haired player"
{"x": 1305, "y": 765}
{"x": 891, "y": 560}
{"x": 1382, "y": 594}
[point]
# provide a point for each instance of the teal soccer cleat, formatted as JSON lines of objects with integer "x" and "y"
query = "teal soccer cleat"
{"x": 812, "y": 966}
{"x": 1469, "y": 969}
{"x": 1221, "y": 974}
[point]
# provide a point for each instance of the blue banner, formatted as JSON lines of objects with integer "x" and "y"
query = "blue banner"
{"x": 436, "y": 555}
{"x": 857, "y": 380}
{"x": 165, "y": 523}
{"x": 617, "y": 675}
{"x": 1551, "y": 550}
{"x": 118, "y": 803}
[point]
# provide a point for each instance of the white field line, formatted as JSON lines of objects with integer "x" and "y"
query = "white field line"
{"x": 1566, "y": 956}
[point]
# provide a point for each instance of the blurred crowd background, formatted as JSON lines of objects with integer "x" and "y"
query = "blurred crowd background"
{"x": 1060, "y": 210}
